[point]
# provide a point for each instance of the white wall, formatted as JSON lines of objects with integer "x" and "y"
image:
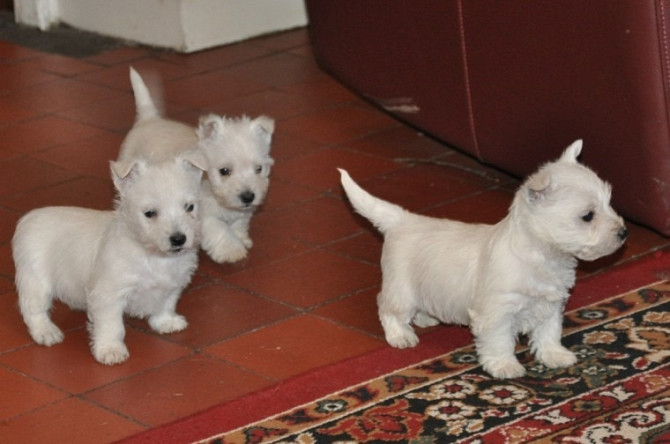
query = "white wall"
{"x": 182, "y": 25}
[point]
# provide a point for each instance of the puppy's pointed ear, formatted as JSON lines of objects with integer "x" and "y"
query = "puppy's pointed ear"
{"x": 264, "y": 126}
{"x": 125, "y": 171}
{"x": 571, "y": 153}
{"x": 538, "y": 186}
{"x": 209, "y": 127}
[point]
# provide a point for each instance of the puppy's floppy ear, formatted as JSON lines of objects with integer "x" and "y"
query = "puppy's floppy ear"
{"x": 126, "y": 171}
{"x": 194, "y": 158}
{"x": 572, "y": 152}
{"x": 538, "y": 186}
{"x": 264, "y": 126}
{"x": 209, "y": 127}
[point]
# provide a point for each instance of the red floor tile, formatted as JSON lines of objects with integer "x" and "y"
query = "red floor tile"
{"x": 294, "y": 346}
{"x": 71, "y": 366}
{"x": 8, "y": 221}
{"x": 308, "y": 279}
{"x": 89, "y": 157}
{"x": 283, "y": 194}
{"x": 13, "y": 332}
{"x": 60, "y": 65}
{"x": 208, "y": 89}
{"x": 286, "y": 146}
{"x": 62, "y": 94}
{"x": 31, "y": 136}
{"x": 21, "y": 394}
{"x": 285, "y": 40}
{"x": 400, "y": 142}
{"x": 6, "y": 263}
{"x": 488, "y": 207}
{"x": 123, "y": 56}
{"x": 277, "y": 70}
{"x": 81, "y": 192}
{"x": 214, "y": 58}
{"x": 318, "y": 169}
{"x": 6, "y": 285}
{"x": 25, "y": 174}
{"x": 365, "y": 246}
{"x": 71, "y": 420}
{"x": 431, "y": 185}
{"x": 337, "y": 125}
{"x": 151, "y": 69}
{"x": 315, "y": 222}
{"x": 10, "y": 51}
{"x": 229, "y": 312}
{"x": 114, "y": 114}
{"x": 14, "y": 111}
{"x": 20, "y": 77}
{"x": 270, "y": 102}
{"x": 268, "y": 248}
{"x": 358, "y": 310}
{"x": 177, "y": 389}
{"x": 324, "y": 91}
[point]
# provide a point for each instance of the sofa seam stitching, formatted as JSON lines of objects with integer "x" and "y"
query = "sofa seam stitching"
{"x": 466, "y": 73}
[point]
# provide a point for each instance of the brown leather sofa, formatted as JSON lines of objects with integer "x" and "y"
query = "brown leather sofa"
{"x": 513, "y": 82}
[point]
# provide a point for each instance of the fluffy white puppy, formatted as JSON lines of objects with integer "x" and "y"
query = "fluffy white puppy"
{"x": 135, "y": 259}
{"x": 237, "y": 156}
{"x": 501, "y": 280}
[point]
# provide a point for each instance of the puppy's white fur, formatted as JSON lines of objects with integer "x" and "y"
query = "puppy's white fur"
{"x": 237, "y": 154}
{"x": 135, "y": 259}
{"x": 501, "y": 280}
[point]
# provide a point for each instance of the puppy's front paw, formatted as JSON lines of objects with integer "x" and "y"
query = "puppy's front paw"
{"x": 46, "y": 334}
{"x": 168, "y": 324}
{"x": 225, "y": 251}
{"x": 111, "y": 353}
{"x": 504, "y": 369}
{"x": 556, "y": 357}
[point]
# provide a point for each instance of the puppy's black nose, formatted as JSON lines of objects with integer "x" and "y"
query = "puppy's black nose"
{"x": 247, "y": 197}
{"x": 622, "y": 233}
{"x": 177, "y": 239}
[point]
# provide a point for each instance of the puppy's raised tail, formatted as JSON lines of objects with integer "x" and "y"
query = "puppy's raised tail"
{"x": 144, "y": 104}
{"x": 383, "y": 215}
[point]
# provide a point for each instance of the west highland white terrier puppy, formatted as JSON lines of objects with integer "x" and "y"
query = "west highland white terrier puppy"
{"x": 501, "y": 280}
{"x": 136, "y": 259}
{"x": 237, "y": 153}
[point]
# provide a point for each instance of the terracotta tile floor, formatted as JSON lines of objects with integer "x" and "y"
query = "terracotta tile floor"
{"x": 306, "y": 295}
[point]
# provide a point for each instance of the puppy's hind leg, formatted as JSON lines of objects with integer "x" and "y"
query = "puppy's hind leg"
{"x": 35, "y": 299}
{"x": 396, "y": 310}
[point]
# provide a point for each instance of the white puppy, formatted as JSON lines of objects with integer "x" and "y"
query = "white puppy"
{"x": 237, "y": 153}
{"x": 135, "y": 259}
{"x": 504, "y": 279}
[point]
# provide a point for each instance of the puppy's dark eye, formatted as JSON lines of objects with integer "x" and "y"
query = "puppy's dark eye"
{"x": 224, "y": 171}
{"x": 588, "y": 217}
{"x": 150, "y": 214}
{"x": 189, "y": 207}
{"x": 259, "y": 169}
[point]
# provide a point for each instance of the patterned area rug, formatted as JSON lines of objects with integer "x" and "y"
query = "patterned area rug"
{"x": 618, "y": 392}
